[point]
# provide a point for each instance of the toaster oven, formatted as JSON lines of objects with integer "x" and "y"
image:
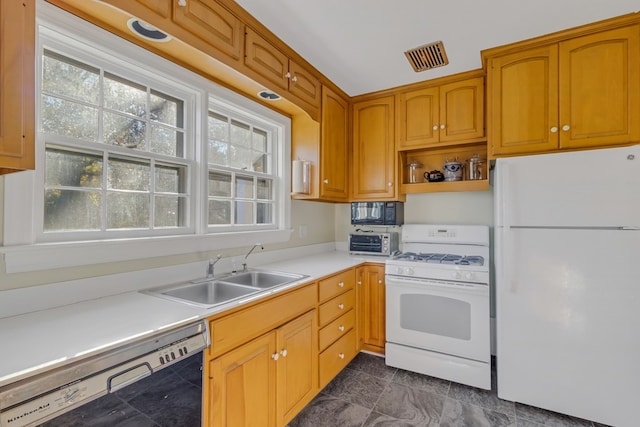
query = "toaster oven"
{"x": 372, "y": 243}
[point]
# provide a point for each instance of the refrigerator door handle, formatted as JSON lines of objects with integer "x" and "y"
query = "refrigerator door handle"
{"x": 507, "y": 242}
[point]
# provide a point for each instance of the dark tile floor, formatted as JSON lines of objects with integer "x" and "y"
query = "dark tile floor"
{"x": 369, "y": 393}
{"x": 168, "y": 398}
{"x": 366, "y": 393}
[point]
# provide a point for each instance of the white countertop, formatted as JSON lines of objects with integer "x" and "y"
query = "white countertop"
{"x": 42, "y": 340}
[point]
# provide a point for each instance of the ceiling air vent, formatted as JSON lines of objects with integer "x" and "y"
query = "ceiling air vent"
{"x": 426, "y": 57}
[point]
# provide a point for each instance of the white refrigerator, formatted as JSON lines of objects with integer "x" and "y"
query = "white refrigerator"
{"x": 567, "y": 259}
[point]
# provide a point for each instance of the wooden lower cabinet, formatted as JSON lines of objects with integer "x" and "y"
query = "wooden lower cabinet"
{"x": 268, "y": 380}
{"x": 370, "y": 288}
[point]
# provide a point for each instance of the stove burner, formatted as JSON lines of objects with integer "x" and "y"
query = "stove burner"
{"x": 440, "y": 258}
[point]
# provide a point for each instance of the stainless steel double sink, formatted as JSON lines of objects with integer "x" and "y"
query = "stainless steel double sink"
{"x": 221, "y": 290}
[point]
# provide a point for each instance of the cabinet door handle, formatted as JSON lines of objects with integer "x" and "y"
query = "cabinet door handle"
{"x": 182, "y": 3}
{"x": 275, "y": 356}
{"x": 294, "y": 79}
{"x": 566, "y": 128}
{"x": 283, "y": 352}
{"x": 442, "y": 126}
{"x": 435, "y": 127}
{"x": 341, "y": 355}
{"x": 341, "y": 328}
{"x": 554, "y": 129}
{"x": 341, "y": 306}
{"x": 341, "y": 284}
{"x": 359, "y": 282}
{"x": 326, "y": 181}
{"x": 390, "y": 184}
{"x": 380, "y": 282}
{"x": 288, "y": 75}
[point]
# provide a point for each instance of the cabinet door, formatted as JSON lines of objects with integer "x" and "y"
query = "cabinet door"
{"x": 374, "y": 163}
{"x": 263, "y": 58}
{"x": 297, "y": 365}
{"x": 17, "y": 84}
{"x": 147, "y": 10}
{"x": 418, "y": 118}
{"x": 212, "y": 23}
{"x": 523, "y": 102}
{"x": 243, "y": 384}
{"x": 334, "y": 147}
{"x": 371, "y": 307}
{"x": 303, "y": 84}
{"x": 462, "y": 110}
{"x": 600, "y": 89}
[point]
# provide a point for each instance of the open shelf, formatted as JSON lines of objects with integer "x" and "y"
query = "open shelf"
{"x": 437, "y": 187}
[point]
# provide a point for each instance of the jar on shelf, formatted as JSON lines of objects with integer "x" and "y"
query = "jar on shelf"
{"x": 415, "y": 171}
{"x": 474, "y": 168}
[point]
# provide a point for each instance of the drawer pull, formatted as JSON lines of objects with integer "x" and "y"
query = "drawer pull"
{"x": 275, "y": 356}
{"x": 341, "y": 328}
{"x": 341, "y": 284}
{"x": 283, "y": 352}
{"x": 341, "y": 306}
{"x": 341, "y": 355}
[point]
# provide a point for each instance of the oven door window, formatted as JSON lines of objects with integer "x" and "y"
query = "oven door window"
{"x": 436, "y": 315}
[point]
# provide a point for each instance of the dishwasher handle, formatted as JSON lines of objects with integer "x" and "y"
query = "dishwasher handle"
{"x": 128, "y": 376}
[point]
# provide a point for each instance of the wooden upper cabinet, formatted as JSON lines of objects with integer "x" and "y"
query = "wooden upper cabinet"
{"x": 462, "y": 110}
{"x": 303, "y": 84}
{"x": 523, "y": 101}
{"x": 17, "y": 85}
{"x": 210, "y": 22}
{"x": 374, "y": 161}
{"x": 600, "y": 89}
{"x": 334, "y": 147}
{"x": 582, "y": 92}
{"x": 449, "y": 113}
{"x": 265, "y": 59}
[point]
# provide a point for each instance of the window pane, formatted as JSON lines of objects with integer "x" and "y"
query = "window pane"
{"x": 265, "y": 213}
{"x": 124, "y": 131}
{"x": 166, "y": 141}
{"x": 244, "y": 187}
{"x": 219, "y": 184}
{"x": 260, "y": 140}
{"x": 244, "y": 213}
{"x": 127, "y": 174}
{"x": 166, "y": 109}
{"x": 124, "y": 96}
{"x": 127, "y": 210}
{"x": 170, "y": 179}
{"x": 218, "y": 152}
{"x": 219, "y": 212}
{"x": 218, "y": 127}
{"x": 264, "y": 189}
{"x": 69, "y": 169}
{"x": 240, "y": 134}
{"x": 64, "y": 76}
{"x": 68, "y": 210}
{"x": 68, "y": 118}
{"x": 261, "y": 163}
{"x": 241, "y": 158}
{"x": 169, "y": 211}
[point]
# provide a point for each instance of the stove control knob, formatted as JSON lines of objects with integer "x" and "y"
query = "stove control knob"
{"x": 468, "y": 275}
{"x": 399, "y": 270}
{"x": 457, "y": 275}
{"x": 410, "y": 271}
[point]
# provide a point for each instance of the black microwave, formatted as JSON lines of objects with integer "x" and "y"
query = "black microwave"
{"x": 377, "y": 213}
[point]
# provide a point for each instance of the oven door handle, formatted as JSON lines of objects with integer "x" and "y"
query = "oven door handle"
{"x": 464, "y": 287}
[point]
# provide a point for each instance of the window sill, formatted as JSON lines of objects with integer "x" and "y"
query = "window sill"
{"x": 46, "y": 256}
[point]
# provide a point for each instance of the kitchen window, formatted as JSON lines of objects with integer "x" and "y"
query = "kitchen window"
{"x": 137, "y": 157}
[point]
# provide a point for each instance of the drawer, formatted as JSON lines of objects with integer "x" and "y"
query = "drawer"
{"x": 336, "y": 284}
{"x": 230, "y": 331}
{"x": 337, "y": 328}
{"x": 336, "y": 307}
{"x": 336, "y": 357}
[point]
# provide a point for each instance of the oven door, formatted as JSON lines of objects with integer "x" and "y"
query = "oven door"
{"x": 445, "y": 317}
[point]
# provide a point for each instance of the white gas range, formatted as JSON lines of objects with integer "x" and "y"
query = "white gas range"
{"x": 437, "y": 303}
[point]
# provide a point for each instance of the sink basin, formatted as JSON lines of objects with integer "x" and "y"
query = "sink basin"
{"x": 262, "y": 279}
{"x": 207, "y": 293}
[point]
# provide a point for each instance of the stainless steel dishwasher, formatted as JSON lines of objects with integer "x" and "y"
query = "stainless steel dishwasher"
{"x": 37, "y": 399}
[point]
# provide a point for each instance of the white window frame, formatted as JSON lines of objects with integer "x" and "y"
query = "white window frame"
{"x": 25, "y": 251}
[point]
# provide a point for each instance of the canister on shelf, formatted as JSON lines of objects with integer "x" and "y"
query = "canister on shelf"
{"x": 415, "y": 171}
{"x": 474, "y": 168}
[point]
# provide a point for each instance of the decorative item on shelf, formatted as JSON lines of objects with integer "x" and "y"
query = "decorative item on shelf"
{"x": 474, "y": 168}
{"x": 415, "y": 171}
{"x": 434, "y": 176}
{"x": 452, "y": 170}
{"x": 301, "y": 177}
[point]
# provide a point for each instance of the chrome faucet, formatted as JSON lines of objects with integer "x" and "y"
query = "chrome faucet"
{"x": 244, "y": 262}
{"x": 210, "y": 266}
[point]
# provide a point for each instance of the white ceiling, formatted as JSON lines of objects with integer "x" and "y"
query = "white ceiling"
{"x": 360, "y": 44}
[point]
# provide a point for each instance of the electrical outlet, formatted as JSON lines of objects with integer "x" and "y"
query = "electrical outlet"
{"x": 302, "y": 230}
